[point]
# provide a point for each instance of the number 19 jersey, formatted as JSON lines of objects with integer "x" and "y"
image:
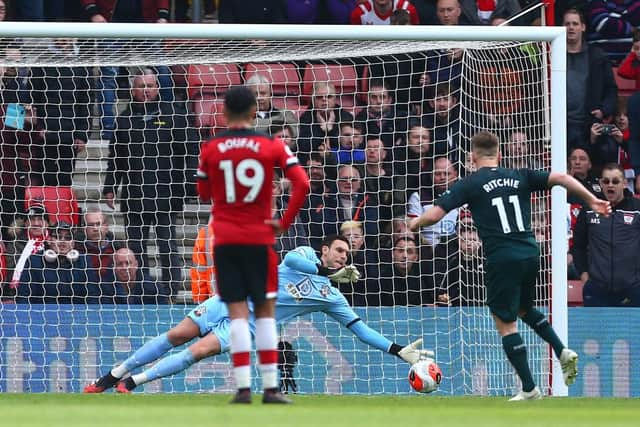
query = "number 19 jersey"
{"x": 238, "y": 166}
{"x": 500, "y": 204}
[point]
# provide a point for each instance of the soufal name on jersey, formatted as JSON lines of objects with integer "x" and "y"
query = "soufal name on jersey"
{"x": 232, "y": 143}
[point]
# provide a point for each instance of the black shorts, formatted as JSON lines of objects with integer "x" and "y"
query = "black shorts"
{"x": 511, "y": 287}
{"x": 246, "y": 271}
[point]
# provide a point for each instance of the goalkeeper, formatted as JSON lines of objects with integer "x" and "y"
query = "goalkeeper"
{"x": 304, "y": 287}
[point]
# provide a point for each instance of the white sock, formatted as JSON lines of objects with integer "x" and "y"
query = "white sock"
{"x": 240, "y": 352}
{"x": 119, "y": 371}
{"x": 267, "y": 347}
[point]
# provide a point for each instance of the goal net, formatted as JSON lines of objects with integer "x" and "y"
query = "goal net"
{"x": 105, "y": 132}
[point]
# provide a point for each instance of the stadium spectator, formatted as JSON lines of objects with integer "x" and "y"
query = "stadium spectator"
{"x": 5, "y": 14}
{"x": 444, "y": 176}
{"x": 97, "y": 242}
{"x": 245, "y": 234}
{"x": 519, "y": 152}
{"x": 28, "y": 240}
{"x": 621, "y": 120}
{"x": 488, "y": 8}
{"x": 210, "y": 320}
{"x": 605, "y": 249}
{"x": 132, "y": 286}
{"x": 407, "y": 280}
{"x": 365, "y": 259}
{"x": 445, "y": 122}
{"x": 580, "y": 169}
{"x": 630, "y": 66}
{"x": 252, "y": 12}
{"x": 147, "y": 11}
{"x": 41, "y": 10}
{"x": 348, "y": 203}
{"x": 14, "y": 80}
{"x": 611, "y": 24}
{"x": 21, "y": 154}
{"x": 285, "y": 133}
{"x": 202, "y": 271}
{"x": 3, "y": 266}
{"x": 62, "y": 98}
{"x": 377, "y": 179}
{"x": 606, "y": 141}
{"x": 59, "y": 274}
{"x": 454, "y": 12}
{"x": 147, "y": 161}
{"x": 464, "y": 281}
{"x": 378, "y": 12}
{"x": 591, "y": 87}
{"x": 381, "y": 116}
{"x": 295, "y": 235}
{"x": 267, "y": 115}
{"x": 320, "y": 124}
{"x": 409, "y": 161}
{"x": 348, "y": 148}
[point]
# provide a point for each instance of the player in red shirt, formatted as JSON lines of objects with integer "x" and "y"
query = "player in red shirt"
{"x": 235, "y": 173}
{"x": 378, "y": 12}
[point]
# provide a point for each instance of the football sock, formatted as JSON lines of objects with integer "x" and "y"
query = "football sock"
{"x": 241, "y": 352}
{"x": 129, "y": 383}
{"x": 168, "y": 366}
{"x": 149, "y": 352}
{"x": 267, "y": 348}
{"x": 517, "y": 355}
{"x": 538, "y": 322}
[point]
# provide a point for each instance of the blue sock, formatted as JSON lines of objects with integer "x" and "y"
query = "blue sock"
{"x": 167, "y": 366}
{"x": 149, "y": 352}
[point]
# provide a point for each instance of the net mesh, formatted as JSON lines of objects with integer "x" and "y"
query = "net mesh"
{"x": 382, "y": 127}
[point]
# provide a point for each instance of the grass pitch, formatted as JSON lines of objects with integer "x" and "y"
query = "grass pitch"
{"x": 199, "y": 410}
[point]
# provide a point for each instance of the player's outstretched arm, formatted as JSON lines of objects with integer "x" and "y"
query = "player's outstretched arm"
{"x": 410, "y": 353}
{"x": 603, "y": 207}
{"x": 433, "y": 215}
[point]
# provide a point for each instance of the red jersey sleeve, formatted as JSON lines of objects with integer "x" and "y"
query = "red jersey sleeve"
{"x": 356, "y": 15}
{"x": 299, "y": 181}
{"x": 413, "y": 14}
{"x": 627, "y": 70}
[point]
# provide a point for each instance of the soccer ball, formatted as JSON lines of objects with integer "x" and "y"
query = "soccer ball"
{"x": 425, "y": 376}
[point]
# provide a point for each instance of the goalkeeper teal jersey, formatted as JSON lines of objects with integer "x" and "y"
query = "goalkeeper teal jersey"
{"x": 500, "y": 204}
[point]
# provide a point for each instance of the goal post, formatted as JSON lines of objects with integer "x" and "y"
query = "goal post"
{"x": 485, "y": 83}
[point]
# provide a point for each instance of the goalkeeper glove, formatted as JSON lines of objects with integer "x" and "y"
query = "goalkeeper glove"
{"x": 346, "y": 274}
{"x": 413, "y": 352}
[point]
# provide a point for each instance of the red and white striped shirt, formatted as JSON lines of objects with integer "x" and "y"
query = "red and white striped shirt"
{"x": 366, "y": 14}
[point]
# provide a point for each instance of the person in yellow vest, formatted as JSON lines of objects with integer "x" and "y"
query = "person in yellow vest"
{"x": 203, "y": 271}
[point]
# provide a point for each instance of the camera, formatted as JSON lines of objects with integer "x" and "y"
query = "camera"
{"x": 608, "y": 129}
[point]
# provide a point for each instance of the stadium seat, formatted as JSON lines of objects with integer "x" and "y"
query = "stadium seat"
{"x": 209, "y": 117}
{"x": 285, "y": 80}
{"x": 212, "y": 79}
{"x": 626, "y": 87}
{"x": 343, "y": 77}
{"x": 60, "y": 202}
{"x": 574, "y": 293}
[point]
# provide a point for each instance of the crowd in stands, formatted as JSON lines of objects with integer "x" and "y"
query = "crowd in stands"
{"x": 380, "y": 144}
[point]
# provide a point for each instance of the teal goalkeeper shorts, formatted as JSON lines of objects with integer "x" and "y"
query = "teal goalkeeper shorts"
{"x": 511, "y": 286}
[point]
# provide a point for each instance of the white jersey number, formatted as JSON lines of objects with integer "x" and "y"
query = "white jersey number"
{"x": 240, "y": 175}
{"x": 502, "y": 213}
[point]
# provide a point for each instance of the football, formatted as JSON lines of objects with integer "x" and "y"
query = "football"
{"x": 425, "y": 376}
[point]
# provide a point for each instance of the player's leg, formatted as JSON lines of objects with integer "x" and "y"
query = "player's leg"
{"x": 152, "y": 350}
{"x": 538, "y": 322}
{"x": 264, "y": 289}
{"x": 503, "y": 299}
{"x": 232, "y": 267}
{"x": 208, "y": 346}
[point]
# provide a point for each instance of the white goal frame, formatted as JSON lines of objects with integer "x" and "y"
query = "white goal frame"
{"x": 556, "y": 36}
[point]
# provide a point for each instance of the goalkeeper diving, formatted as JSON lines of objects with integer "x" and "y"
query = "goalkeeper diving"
{"x": 304, "y": 286}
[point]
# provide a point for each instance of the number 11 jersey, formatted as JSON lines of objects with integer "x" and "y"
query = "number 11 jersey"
{"x": 239, "y": 168}
{"x": 500, "y": 204}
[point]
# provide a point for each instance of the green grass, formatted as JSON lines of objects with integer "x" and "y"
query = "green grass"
{"x": 192, "y": 410}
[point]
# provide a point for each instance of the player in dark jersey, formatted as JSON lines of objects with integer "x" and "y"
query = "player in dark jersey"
{"x": 500, "y": 204}
{"x": 235, "y": 173}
